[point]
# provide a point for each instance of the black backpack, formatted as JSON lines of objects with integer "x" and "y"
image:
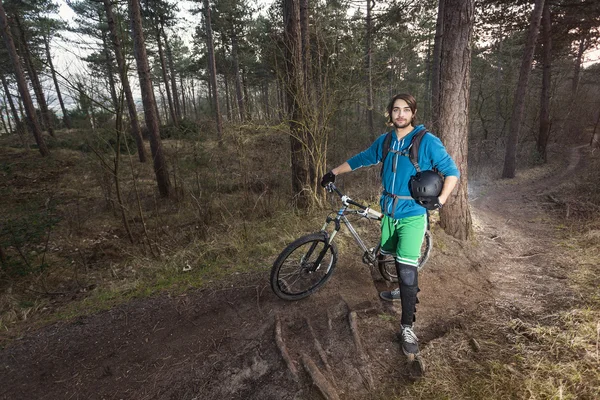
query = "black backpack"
{"x": 412, "y": 152}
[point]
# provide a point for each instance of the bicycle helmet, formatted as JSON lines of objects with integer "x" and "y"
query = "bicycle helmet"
{"x": 425, "y": 187}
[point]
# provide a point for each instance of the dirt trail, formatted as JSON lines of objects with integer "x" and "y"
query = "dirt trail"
{"x": 232, "y": 342}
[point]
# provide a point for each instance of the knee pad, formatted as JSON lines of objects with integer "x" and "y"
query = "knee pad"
{"x": 407, "y": 275}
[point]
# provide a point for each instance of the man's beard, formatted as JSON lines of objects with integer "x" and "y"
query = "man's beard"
{"x": 404, "y": 125}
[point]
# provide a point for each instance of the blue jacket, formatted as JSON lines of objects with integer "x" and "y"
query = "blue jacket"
{"x": 432, "y": 154}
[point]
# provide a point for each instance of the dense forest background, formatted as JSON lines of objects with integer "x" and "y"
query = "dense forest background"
{"x": 186, "y": 144}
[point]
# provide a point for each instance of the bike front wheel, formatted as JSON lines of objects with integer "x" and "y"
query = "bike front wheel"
{"x": 387, "y": 265}
{"x": 303, "y": 267}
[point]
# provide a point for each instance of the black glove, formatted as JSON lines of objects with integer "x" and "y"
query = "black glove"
{"x": 327, "y": 179}
{"x": 430, "y": 203}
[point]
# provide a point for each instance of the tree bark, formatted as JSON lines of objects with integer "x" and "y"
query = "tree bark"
{"x": 435, "y": 69}
{"x": 136, "y": 132}
{"x": 510, "y": 158}
{"x": 150, "y": 108}
{"x": 213, "y": 71}
{"x": 544, "y": 133}
{"x": 66, "y": 119}
{"x": 455, "y": 217}
{"x": 22, "y": 84}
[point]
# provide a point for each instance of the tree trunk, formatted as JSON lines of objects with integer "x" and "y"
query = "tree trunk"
{"x": 174, "y": 90}
{"x": 6, "y": 129}
{"x": 11, "y": 103}
{"x": 247, "y": 97}
{"x": 544, "y": 133}
{"x": 368, "y": 70}
{"x": 150, "y": 109}
{"x": 455, "y": 217}
{"x": 163, "y": 69}
{"x": 66, "y": 119}
{"x": 193, "y": 96}
{"x": 183, "y": 107}
{"x": 266, "y": 103}
{"x": 136, "y": 132}
{"x": 510, "y": 158}
{"x": 35, "y": 81}
{"x": 427, "y": 102}
{"x": 238, "y": 76}
{"x": 573, "y": 117}
{"x": 301, "y": 185}
{"x": 577, "y": 66}
{"x": 498, "y": 89}
{"x": 435, "y": 69}
{"x": 227, "y": 102}
{"x": 213, "y": 71}
{"x": 595, "y": 140}
{"x": 109, "y": 72}
{"x": 26, "y": 98}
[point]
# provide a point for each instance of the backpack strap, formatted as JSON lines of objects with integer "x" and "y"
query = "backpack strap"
{"x": 412, "y": 151}
{"x": 385, "y": 149}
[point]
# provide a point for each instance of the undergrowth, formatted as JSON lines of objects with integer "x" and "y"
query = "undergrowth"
{"x": 231, "y": 214}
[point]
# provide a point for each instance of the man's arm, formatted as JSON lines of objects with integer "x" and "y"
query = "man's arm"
{"x": 342, "y": 169}
{"x": 449, "y": 184}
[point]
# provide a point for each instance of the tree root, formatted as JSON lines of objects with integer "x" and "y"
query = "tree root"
{"x": 364, "y": 364}
{"x": 320, "y": 381}
{"x": 319, "y": 348}
{"x": 283, "y": 349}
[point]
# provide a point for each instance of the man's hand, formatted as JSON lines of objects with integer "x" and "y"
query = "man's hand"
{"x": 327, "y": 179}
{"x": 430, "y": 203}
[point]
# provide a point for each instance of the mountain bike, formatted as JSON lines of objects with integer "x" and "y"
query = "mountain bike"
{"x": 307, "y": 263}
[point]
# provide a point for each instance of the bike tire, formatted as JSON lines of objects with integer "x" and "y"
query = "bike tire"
{"x": 387, "y": 266}
{"x": 293, "y": 277}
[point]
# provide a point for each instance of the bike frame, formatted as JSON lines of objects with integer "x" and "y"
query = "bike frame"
{"x": 365, "y": 212}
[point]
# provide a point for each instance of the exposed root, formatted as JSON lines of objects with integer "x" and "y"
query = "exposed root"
{"x": 355, "y": 335}
{"x": 364, "y": 362}
{"x": 283, "y": 349}
{"x": 319, "y": 348}
{"x": 319, "y": 380}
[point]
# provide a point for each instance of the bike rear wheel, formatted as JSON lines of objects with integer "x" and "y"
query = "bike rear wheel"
{"x": 387, "y": 265}
{"x": 303, "y": 267}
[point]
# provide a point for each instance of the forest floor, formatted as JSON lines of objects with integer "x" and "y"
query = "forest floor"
{"x": 483, "y": 305}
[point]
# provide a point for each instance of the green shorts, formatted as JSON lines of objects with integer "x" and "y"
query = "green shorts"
{"x": 403, "y": 238}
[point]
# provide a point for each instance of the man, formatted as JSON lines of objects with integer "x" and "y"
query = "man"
{"x": 405, "y": 221}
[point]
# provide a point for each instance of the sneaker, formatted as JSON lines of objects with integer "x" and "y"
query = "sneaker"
{"x": 394, "y": 295}
{"x": 410, "y": 343}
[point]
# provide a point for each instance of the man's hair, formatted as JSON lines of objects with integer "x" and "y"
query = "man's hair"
{"x": 409, "y": 99}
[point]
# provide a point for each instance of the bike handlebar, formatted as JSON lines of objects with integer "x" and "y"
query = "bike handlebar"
{"x": 347, "y": 200}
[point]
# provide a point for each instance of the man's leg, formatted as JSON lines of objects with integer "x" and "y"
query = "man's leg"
{"x": 410, "y": 233}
